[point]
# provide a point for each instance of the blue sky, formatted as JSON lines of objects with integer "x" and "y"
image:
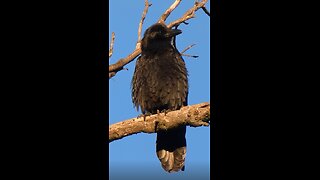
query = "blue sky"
{"x": 135, "y": 156}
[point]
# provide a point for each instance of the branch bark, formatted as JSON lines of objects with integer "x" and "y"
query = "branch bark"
{"x": 194, "y": 116}
{"x": 111, "y": 45}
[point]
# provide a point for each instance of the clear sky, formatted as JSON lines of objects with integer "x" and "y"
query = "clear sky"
{"x": 135, "y": 156}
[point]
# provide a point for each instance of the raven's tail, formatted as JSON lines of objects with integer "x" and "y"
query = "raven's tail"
{"x": 171, "y": 149}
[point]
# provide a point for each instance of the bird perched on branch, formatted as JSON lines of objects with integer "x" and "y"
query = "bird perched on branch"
{"x": 160, "y": 83}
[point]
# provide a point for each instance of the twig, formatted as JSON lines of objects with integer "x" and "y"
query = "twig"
{"x": 168, "y": 12}
{"x": 194, "y": 116}
{"x": 189, "y": 14}
{"x": 111, "y": 45}
{"x": 193, "y": 56}
{"x": 187, "y": 48}
{"x": 206, "y": 11}
{"x": 145, "y": 11}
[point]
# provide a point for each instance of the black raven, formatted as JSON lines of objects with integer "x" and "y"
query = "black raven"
{"x": 160, "y": 83}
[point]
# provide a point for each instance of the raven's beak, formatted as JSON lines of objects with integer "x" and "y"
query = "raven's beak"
{"x": 174, "y": 32}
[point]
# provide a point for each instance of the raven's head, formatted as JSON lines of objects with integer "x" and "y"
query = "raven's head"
{"x": 157, "y": 34}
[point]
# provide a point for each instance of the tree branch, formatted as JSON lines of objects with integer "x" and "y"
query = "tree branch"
{"x": 194, "y": 116}
{"x": 111, "y": 44}
{"x": 145, "y": 11}
{"x": 187, "y": 48}
{"x": 188, "y": 55}
{"x": 189, "y": 14}
{"x": 114, "y": 68}
{"x": 118, "y": 66}
{"x": 165, "y": 15}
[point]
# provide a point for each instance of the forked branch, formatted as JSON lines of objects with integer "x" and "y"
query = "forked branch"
{"x": 119, "y": 65}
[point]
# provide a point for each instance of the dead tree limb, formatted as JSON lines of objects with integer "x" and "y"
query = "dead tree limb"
{"x": 119, "y": 65}
{"x": 114, "y": 68}
{"x": 189, "y": 14}
{"x": 194, "y": 116}
{"x": 145, "y": 11}
{"x": 111, "y": 45}
{"x": 165, "y": 15}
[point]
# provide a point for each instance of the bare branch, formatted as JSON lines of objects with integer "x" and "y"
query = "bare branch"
{"x": 194, "y": 116}
{"x": 187, "y": 48}
{"x": 189, "y": 14}
{"x": 145, "y": 11}
{"x": 118, "y": 66}
{"x": 188, "y": 55}
{"x": 168, "y": 12}
{"x": 111, "y": 45}
{"x": 114, "y": 68}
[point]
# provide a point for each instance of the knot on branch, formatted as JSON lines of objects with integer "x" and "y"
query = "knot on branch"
{"x": 199, "y": 116}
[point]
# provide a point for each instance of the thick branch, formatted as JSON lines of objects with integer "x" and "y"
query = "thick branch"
{"x": 194, "y": 116}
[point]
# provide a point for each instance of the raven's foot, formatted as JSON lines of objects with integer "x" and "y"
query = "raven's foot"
{"x": 144, "y": 115}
